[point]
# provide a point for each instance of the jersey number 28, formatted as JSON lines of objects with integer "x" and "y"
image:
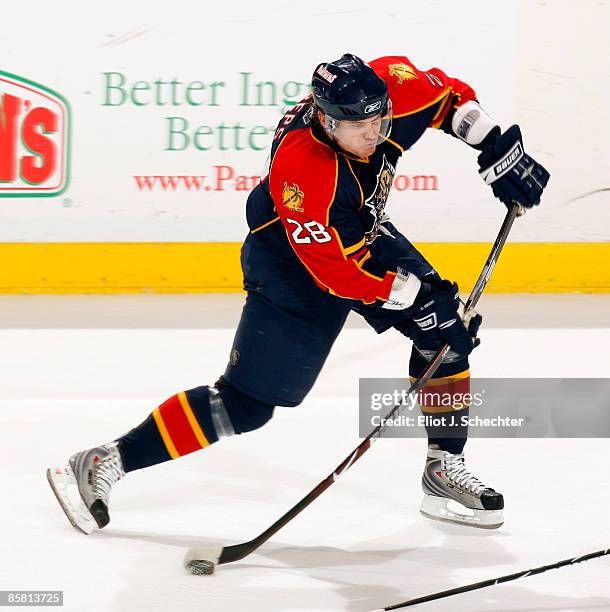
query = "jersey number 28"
{"x": 303, "y": 234}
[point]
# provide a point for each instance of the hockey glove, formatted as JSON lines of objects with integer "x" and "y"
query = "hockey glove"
{"x": 436, "y": 321}
{"x": 513, "y": 175}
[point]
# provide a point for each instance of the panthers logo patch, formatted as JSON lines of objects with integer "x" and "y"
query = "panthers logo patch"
{"x": 403, "y": 72}
{"x": 375, "y": 203}
{"x": 292, "y": 197}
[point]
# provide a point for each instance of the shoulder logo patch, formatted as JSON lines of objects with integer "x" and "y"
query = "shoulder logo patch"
{"x": 403, "y": 72}
{"x": 292, "y": 197}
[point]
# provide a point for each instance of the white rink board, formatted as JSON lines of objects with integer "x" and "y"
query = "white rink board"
{"x": 544, "y": 65}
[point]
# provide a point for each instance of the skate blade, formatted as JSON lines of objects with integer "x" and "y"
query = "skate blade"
{"x": 64, "y": 486}
{"x": 436, "y": 508}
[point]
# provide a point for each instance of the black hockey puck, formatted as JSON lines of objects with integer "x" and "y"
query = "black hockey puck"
{"x": 201, "y": 567}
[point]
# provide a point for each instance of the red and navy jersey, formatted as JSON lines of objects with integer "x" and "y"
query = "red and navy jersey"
{"x": 331, "y": 203}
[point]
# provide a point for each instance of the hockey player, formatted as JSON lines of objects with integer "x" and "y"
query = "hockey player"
{"x": 321, "y": 245}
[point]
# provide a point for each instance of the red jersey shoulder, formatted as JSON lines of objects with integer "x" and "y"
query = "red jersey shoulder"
{"x": 303, "y": 176}
{"x": 409, "y": 88}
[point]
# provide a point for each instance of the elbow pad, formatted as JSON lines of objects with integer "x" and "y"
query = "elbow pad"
{"x": 472, "y": 124}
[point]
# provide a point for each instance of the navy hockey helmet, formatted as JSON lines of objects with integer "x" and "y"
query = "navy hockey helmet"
{"x": 348, "y": 89}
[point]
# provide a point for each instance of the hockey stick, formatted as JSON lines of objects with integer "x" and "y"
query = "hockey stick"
{"x": 493, "y": 581}
{"x": 203, "y": 560}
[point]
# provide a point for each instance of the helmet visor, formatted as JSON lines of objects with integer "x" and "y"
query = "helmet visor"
{"x": 382, "y": 122}
{"x": 386, "y": 124}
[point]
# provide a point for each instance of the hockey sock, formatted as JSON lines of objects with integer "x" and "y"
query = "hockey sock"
{"x": 444, "y": 402}
{"x": 190, "y": 421}
{"x": 179, "y": 426}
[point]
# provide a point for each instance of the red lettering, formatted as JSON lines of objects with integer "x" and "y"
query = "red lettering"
{"x": 9, "y": 110}
{"x": 193, "y": 182}
{"x": 40, "y": 167}
{"x": 144, "y": 182}
{"x": 168, "y": 182}
{"x": 242, "y": 183}
{"x": 401, "y": 182}
{"x": 223, "y": 174}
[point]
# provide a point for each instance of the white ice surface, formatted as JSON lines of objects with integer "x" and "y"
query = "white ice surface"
{"x": 362, "y": 545}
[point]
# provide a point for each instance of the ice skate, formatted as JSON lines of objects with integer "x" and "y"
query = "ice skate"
{"x": 82, "y": 487}
{"x": 446, "y": 479}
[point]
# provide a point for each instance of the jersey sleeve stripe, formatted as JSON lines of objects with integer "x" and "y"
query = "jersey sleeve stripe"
{"x": 360, "y": 263}
{"x": 427, "y": 105}
{"x": 440, "y": 113}
{"x": 336, "y": 233}
{"x": 264, "y": 225}
{"x": 367, "y": 255}
{"x": 332, "y": 199}
{"x": 346, "y": 251}
{"x": 331, "y": 291}
{"x": 359, "y": 253}
{"x": 354, "y": 248}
